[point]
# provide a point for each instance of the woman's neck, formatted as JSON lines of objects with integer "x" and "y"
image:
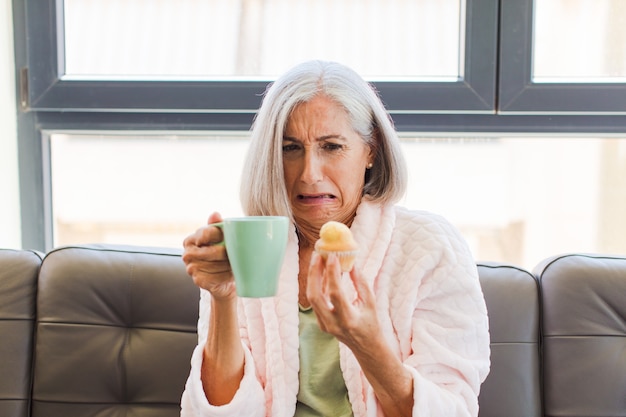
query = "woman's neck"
{"x": 307, "y": 236}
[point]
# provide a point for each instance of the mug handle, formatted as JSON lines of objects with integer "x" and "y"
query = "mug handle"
{"x": 221, "y": 226}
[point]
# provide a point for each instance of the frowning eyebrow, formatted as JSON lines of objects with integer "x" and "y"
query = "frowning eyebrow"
{"x": 320, "y": 139}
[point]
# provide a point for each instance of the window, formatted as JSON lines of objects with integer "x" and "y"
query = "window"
{"x": 149, "y": 189}
{"x": 523, "y": 154}
{"x": 579, "y": 41}
{"x": 514, "y": 198}
{"x": 563, "y": 57}
{"x": 448, "y": 66}
{"x": 249, "y": 40}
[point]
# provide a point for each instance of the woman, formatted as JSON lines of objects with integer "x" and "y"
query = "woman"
{"x": 404, "y": 333}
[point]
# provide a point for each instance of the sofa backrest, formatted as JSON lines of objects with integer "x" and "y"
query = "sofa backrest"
{"x": 584, "y": 335}
{"x": 78, "y": 337}
{"x": 512, "y": 387}
{"x": 102, "y": 348}
{"x": 18, "y": 284}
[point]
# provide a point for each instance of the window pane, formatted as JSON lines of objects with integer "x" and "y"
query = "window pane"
{"x": 259, "y": 39}
{"x": 149, "y": 190}
{"x": 579, "y": 41}
{"x": 521, "y": 199}
{"x": 515, "y": 199}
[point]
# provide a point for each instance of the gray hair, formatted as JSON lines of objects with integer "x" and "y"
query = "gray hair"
{"x": 263, "y": 185}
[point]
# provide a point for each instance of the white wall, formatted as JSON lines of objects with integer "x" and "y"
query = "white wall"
{"x": 10, "y": 236}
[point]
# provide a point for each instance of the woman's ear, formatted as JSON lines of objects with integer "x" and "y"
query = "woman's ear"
{"x": 371, "y": 156}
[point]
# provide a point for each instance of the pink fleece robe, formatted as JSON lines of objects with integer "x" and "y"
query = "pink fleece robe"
{"x": 430, "y": 306}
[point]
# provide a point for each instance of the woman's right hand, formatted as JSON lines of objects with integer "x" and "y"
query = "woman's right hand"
{"x": 207, "y": 262}
{"x": 222, "y": 366}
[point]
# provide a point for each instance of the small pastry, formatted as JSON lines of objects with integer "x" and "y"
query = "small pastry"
{"x": 337, "y": 238}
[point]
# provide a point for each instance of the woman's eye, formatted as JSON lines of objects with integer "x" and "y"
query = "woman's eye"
{"x": 290, "y": 147}
{"x": 332, "y": 146}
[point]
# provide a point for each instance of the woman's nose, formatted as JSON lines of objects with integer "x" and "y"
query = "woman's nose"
{"x": 312, "y": 169}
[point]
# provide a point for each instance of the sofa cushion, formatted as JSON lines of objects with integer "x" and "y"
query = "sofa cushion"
{"x": 115, "y": 330}
{"x": 512, "y": 387}
{"x": 18, "y": 283}
{"x": 584, "y": 327}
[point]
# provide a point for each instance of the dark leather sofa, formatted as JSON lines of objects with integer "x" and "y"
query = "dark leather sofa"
{"x": 107, "y": 330}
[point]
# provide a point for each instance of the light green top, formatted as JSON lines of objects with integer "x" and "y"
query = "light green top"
{"x": 323, "y": 390}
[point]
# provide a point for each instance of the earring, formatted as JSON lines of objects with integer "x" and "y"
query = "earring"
{"x": 370, "y": 165}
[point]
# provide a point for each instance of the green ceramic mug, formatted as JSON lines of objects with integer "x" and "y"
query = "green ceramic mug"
{"x": 256, "y": 247}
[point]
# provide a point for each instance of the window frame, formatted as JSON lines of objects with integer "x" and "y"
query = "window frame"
{"x": 518, "y": 94}
{"x": 48, "y": 90}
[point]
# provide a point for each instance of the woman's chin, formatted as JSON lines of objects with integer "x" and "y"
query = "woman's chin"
{"x": 315, "y": 216}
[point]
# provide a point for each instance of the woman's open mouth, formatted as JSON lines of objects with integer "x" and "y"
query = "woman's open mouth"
{"x": 315, "y": 198}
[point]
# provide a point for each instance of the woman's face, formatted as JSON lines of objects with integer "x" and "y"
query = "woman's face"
{"x": 324, "y": 163}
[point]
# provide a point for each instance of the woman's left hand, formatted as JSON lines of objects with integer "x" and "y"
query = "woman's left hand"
{"x": 352, "y": 320}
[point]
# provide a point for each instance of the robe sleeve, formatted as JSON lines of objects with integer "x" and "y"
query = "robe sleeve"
{"x": 249, "y": 400}
{"x": 450, "y": 332}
